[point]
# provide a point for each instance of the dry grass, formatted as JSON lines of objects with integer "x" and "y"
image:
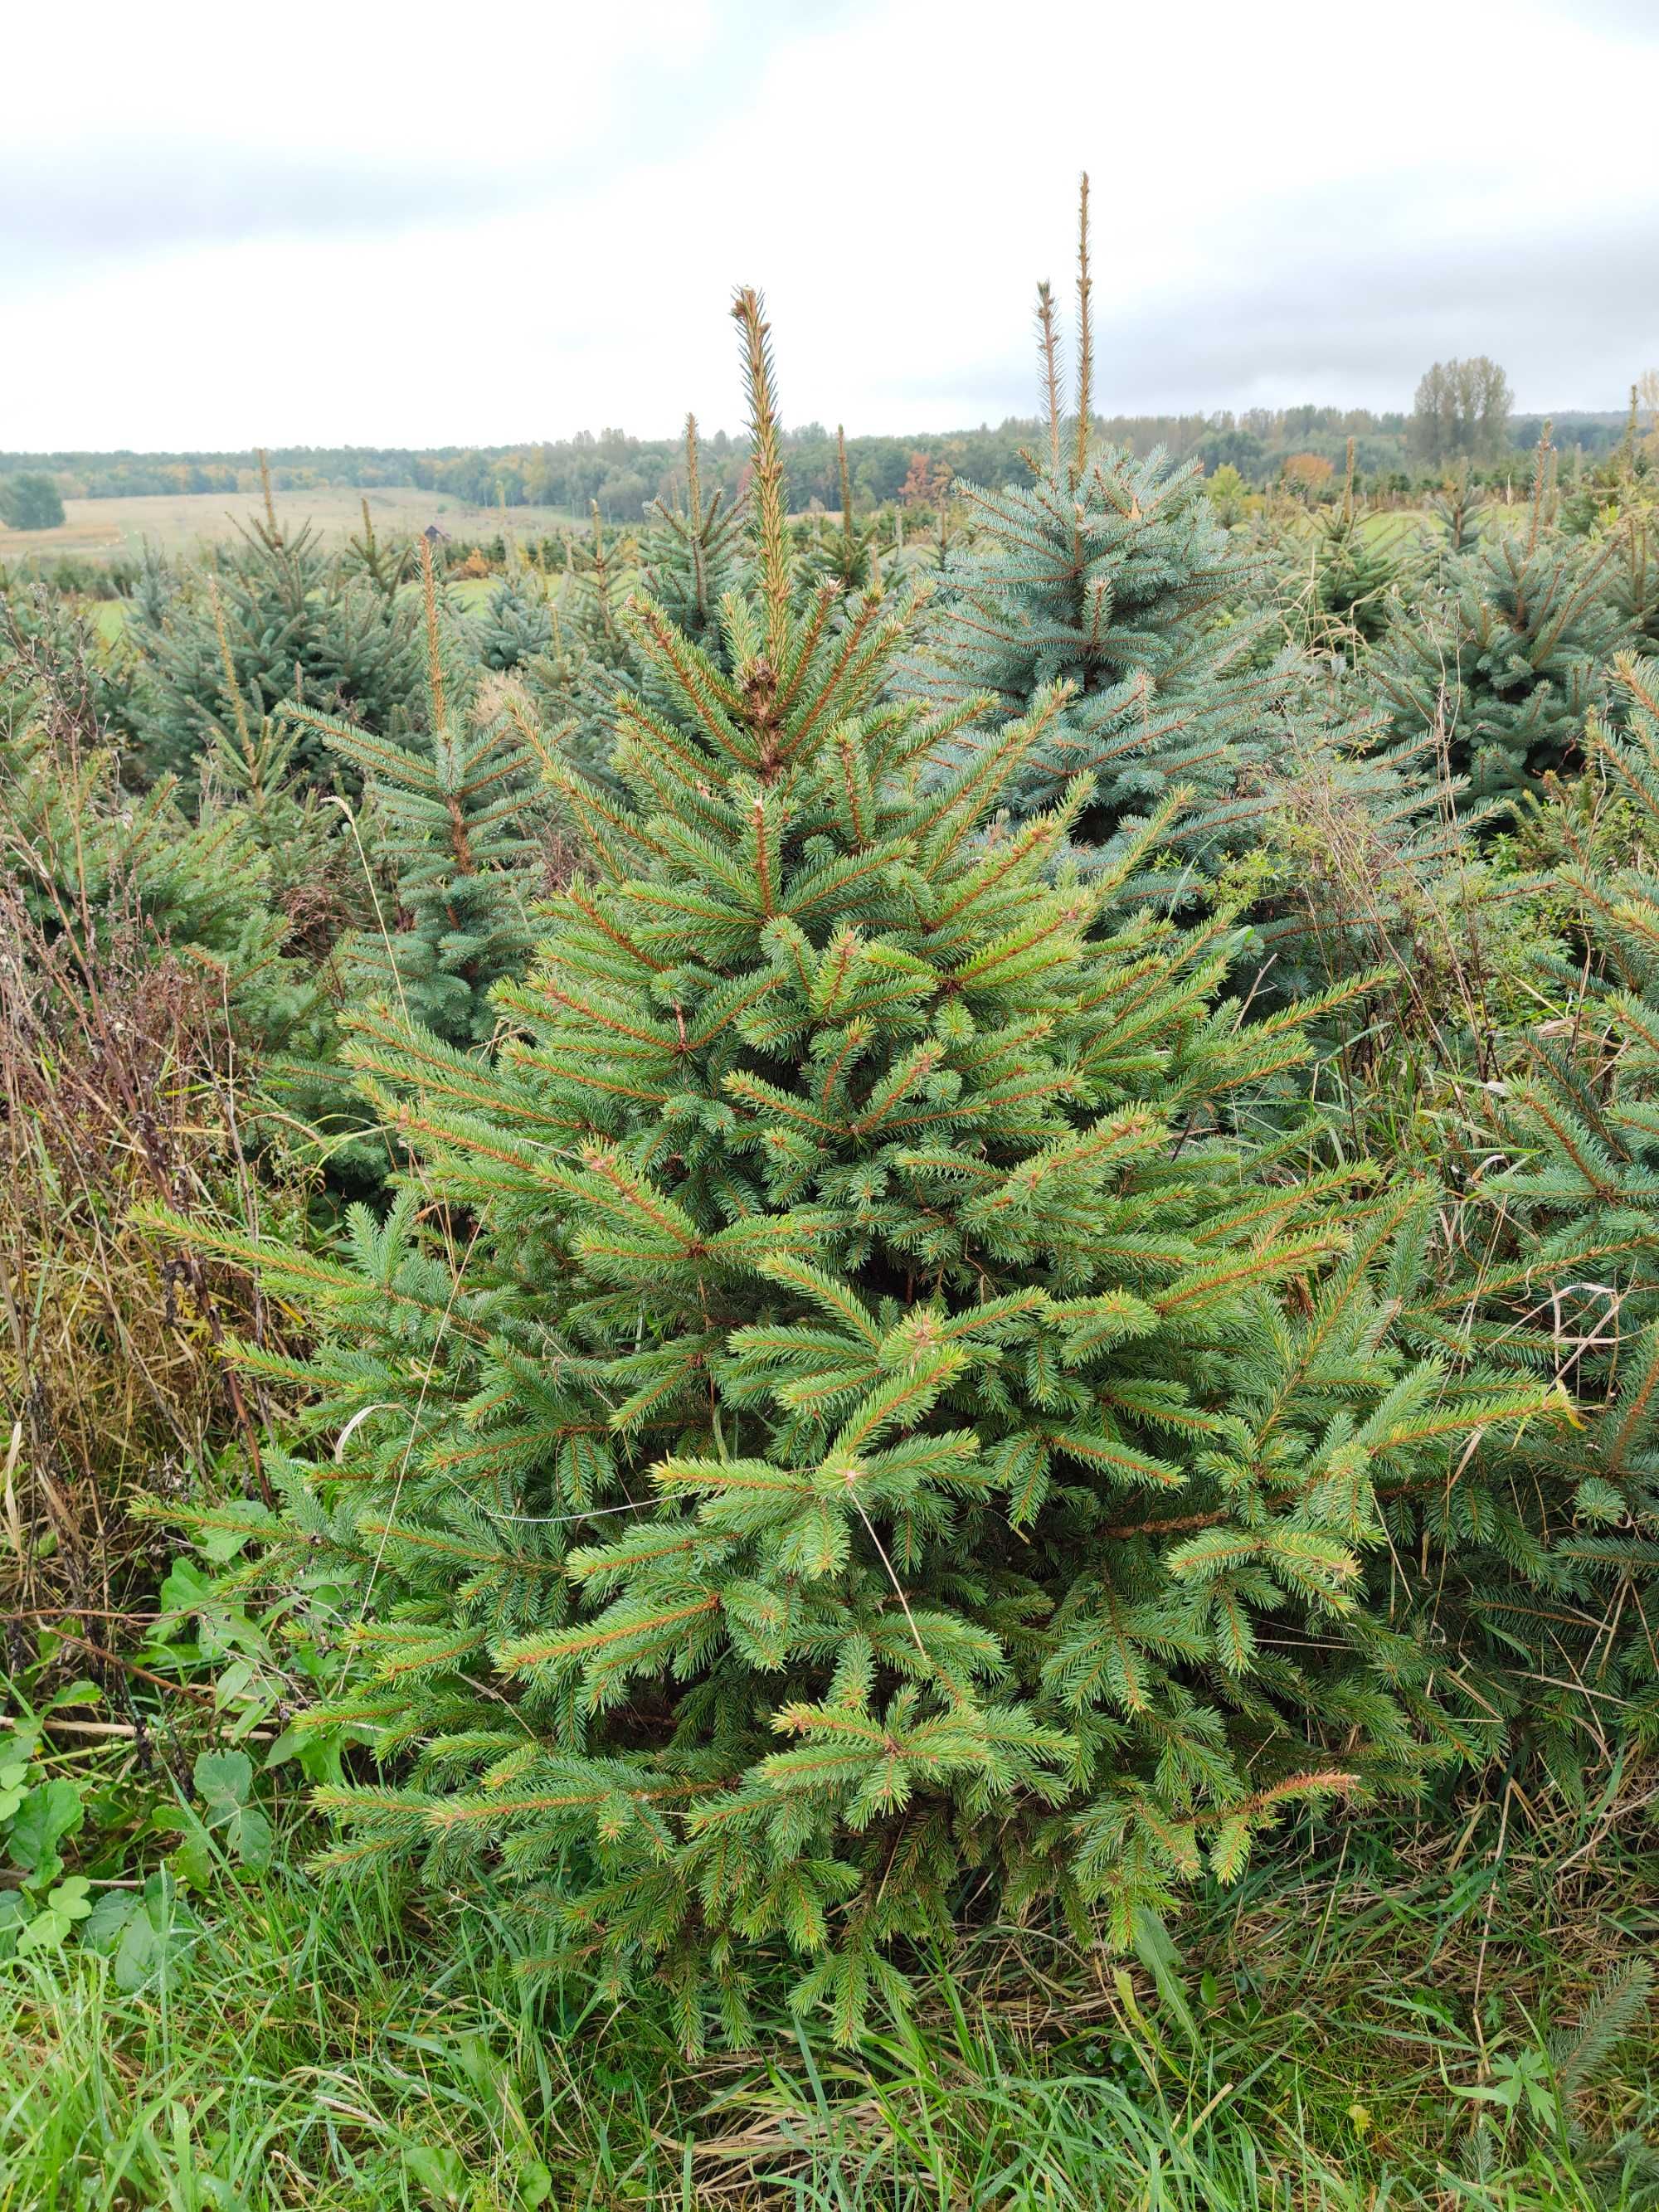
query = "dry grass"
{"x": 119, "y": 1087}
{"x": 178, "y": 523}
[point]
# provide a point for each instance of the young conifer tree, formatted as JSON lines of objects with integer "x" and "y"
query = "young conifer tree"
{"x": 517, "y": 624}
{"x": 289, "y": 625}
{"x": 1548, "y": 1264}
{"x": 1110, "y": 575}
{"x": 1461, "y": 508}
{"x": 693, "y": 555}
{"x": 445, "y": 863}
{"x": 1355, "y": 570}
{"x": 86, "y": 859}
{"x": 848, "y": 552}
{"x": 454, "y": 815}
{"x": 843, "y": 1429}
{"x": 1510, "y": 659}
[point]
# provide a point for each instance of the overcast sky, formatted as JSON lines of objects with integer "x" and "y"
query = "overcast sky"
{"x": 329, "y": 222}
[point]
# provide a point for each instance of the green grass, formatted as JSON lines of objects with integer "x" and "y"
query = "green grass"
{"x": 326, "y": 2049}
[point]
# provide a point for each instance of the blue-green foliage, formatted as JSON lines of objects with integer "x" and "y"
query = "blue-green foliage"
{"x": 1505, "y": 661}
{"x": 1112, "y": 577}
{"x": 517, "y": 624}
{"x": 274, "y": 619}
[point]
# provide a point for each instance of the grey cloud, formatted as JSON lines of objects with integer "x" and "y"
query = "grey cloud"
{"x": 1572, "y": 315}
{"x": 134, "y": 202}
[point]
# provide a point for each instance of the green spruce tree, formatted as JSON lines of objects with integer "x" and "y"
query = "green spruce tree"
{"x": 517, "y": 624}
{"x": 448, "y": 855}
{"x": 296, "y": 626}
{"x": 453, "y": 813}
{"x": 1111, "y": 576}
{"x": 1508, "y": 659}
{"x": 1355, "y": 568}
{"x": 844, "y": 1428}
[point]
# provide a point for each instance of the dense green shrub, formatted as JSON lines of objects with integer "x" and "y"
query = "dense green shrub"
{"x": 29, "y": 501}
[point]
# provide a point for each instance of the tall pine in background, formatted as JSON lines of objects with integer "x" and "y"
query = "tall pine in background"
{"x": 844, "y": 1427}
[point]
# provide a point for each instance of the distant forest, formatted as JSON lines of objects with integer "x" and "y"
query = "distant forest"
{"x": 622, "y": 473}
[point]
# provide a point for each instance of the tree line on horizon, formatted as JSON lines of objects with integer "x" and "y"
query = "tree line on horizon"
{"x": 1462, "y": 413}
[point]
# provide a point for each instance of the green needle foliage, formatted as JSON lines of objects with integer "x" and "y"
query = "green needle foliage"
{"x": 292, "y": 624}
{"x": 1561, "y": 1202}
{"x": 91, "y": 863}
{"x": 518, "y": 623}
{"x": 854, "y": 1419}
{"x": 454, "y": 818}
{"x": 1460, "y": 508}
{"x": 693, "y": 555}
{"x": 1354, "y": 571}
{"x": 848, "y": 552}
{"x": 1509, "y": 662}
{"x": 447, "y": 862}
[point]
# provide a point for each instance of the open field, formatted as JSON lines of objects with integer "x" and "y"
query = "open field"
{"x": 100, "y": 529}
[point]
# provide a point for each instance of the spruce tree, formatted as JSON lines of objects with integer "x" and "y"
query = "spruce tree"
{"x": 849, "y": 551}
{"x": 447, "y": 859}
{"x": 92, "y": 861}
{"x": 844, "y": 1428}
{"x": 692, "y": 556}
{"x": 1509, "y": 660}
{"x": 295, "y": 627}
{"x": 517, "y": 624}
{"x": 1112, "y": 576}
{"x": 1544, "y": 1259}
{"x": 453, "y": 815}
{"x": 1460, "y": 506}
{"x": 1633, "y": 586}
{"x": 252, "y": 765}
{"x": 1355, "y": 570}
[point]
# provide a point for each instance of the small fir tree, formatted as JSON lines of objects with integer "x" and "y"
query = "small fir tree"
{"x": 849, "y": 551}
{"x": 1510, "y": 658}
{"x": 693, "y": 556}
{"x": 1355, "y": 570}
{"x": 449, "y": 859}
{"x": 294, "y": 625}
{"x": 518, "y": 623}
{"x": 843, "y": 1423}
{"x": 1460, "y": 507}
{"x": 454, "y": 819}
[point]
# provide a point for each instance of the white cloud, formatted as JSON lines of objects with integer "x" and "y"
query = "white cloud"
{"x": 424, "y": 228}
